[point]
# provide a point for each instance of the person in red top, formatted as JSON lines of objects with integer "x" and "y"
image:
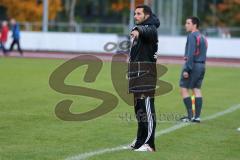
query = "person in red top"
{"x": 4, "y": 36}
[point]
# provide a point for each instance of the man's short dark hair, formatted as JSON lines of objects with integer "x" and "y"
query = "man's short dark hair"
{"x": 146, "y": 9}
{"x": 195, "y": 20}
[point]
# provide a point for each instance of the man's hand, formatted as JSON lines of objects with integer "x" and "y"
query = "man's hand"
{"x": 135, "y": 34}
{"x": 156, "y": 55}
{"x": 185, "y": 75}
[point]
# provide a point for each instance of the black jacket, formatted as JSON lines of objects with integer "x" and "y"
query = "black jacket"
{"x": 142, "y": 67}
{"x": 144, "y": 48}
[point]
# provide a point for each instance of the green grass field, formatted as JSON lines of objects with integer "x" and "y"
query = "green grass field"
{"x": 30, "y": 130}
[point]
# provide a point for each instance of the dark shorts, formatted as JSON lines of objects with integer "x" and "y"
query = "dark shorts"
{"x": 195, "y": 78}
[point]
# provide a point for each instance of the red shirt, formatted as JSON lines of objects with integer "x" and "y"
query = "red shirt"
{"x": 4, "y": 34}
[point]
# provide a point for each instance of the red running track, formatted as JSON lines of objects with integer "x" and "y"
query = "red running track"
{"x": 226, "y": 62}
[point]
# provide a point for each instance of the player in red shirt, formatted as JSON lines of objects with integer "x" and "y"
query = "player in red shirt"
{"x": 4, "y": 36}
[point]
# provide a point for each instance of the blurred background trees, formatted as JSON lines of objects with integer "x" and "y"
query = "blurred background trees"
{"x": 29, "y": 10}
{"x": 228, "y": 13}
{"x": 214, "y": 14}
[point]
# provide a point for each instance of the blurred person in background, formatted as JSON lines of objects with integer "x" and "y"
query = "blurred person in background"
{"x": 4, "y": 37}
{"x": 16, "y": 36}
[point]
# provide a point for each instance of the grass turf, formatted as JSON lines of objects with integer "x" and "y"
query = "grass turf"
{"x": 30, "y": 130}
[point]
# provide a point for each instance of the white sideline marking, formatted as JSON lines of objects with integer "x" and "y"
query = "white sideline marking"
{"x": 158, "y": 134}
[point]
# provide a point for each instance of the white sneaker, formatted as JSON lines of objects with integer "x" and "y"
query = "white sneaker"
{"x": 131, "y": 146}
{"x": 184, "y": 119}
{"x": 133, "y": 143}
{"x": 196, "y": 120}
{"x": 144, "y": 148}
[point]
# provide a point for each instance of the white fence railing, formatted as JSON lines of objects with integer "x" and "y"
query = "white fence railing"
{"x": 124, "y": 29}
{"x": 92, "y": 42}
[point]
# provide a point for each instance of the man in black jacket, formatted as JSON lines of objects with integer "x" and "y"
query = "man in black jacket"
{"x": 142, "y": 76}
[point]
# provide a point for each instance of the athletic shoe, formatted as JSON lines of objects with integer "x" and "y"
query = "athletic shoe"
{"x": 196, "y": 120}
{"x": 145, "y": 148}
{"x": 131, "y": 146}
{"x": 184, "y": 119}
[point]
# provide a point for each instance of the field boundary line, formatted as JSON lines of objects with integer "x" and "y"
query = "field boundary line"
{"x": 158, "y": 134}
